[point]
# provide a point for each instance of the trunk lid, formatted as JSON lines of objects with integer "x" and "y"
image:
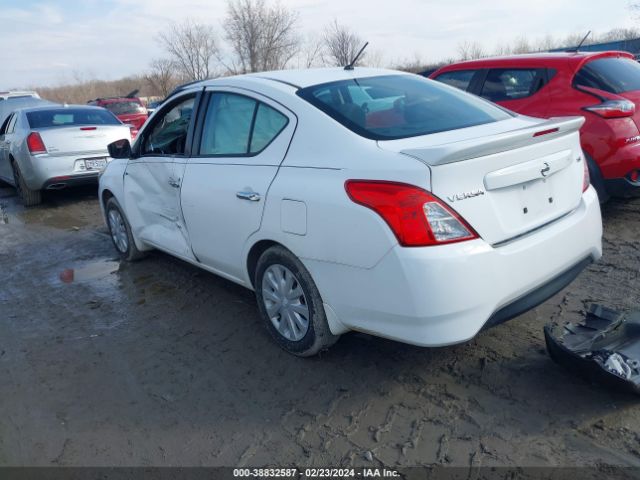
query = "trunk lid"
{"x": 82, "y": 140}
{"x": 507, "y": 178}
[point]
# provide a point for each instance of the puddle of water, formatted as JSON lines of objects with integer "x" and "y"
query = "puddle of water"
{"x": 88, "y": 272}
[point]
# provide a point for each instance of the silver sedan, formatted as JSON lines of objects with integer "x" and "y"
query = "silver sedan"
{"x": 54, "y": 146}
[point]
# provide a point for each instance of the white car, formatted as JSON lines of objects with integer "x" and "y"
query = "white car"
{"x": 366, "y": 200}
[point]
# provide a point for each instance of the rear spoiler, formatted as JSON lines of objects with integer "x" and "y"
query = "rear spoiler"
{"x": 480, "y": 147}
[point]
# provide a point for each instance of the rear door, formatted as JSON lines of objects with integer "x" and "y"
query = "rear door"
{"x": 153, "y": 179}
{"x": 241, "y": 141}
{"x": 518, "y": 89}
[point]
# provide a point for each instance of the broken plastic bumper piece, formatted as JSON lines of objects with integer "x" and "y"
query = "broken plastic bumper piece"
{"x": 605, "y": 347}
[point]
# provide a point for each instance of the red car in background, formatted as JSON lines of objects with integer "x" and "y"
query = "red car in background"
{"x": 603, "y": 87}
{"x": 129, "y": 110}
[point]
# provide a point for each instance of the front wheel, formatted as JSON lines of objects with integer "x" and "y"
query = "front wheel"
{"x": 290, "y": 304}
{"x": 120, "y": 232}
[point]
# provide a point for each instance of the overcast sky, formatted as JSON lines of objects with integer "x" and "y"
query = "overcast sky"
{"x": 54, "y": 42}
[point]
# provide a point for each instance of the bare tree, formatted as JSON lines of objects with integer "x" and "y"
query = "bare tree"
{"x": 161, "y": 76}
{"x": 192, "y": 47}
{"x": 310, "y": 53}
{"x": 341, "y": 45}
{"x": 469, "y": 50}
{"x": 262, "y": 37}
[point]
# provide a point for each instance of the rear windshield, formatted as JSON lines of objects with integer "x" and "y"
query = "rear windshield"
{"x": 614, "y": 75}
{"x": 70, "y": 116}
{"x": 124, "y": 108}
{"x": 400, "y": 106}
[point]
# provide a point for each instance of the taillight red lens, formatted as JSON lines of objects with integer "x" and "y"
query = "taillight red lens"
{"x": 35, "y": 144}
{"x": 586, "y": 179}
{"x": 613, "y": 109}
{"x": 416, "y": 217}
{"x": 134, "y": 131}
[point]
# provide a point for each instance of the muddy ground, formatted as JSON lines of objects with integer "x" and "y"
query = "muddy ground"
{"x": 159, "y": 363}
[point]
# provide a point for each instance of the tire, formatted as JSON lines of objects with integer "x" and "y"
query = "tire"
{"x": 300, "y": 296}
{"x": 596, "y": 179}
{"x": 29, "y": 197}
{"x": 120, "y": 232}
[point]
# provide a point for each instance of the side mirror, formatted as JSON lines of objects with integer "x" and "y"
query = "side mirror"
{"x": 120, "y": 149}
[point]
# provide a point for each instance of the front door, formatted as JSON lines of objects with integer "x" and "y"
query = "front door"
{"x": 242, "y": 142}
{"x": 153, "y": 179}
{"x": 6, "y": 134}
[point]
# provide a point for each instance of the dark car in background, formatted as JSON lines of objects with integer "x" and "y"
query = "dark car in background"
{"x": 603, "y": 87}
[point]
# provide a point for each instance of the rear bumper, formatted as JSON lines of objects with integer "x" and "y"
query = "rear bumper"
{"x": 51, "y": 172}
{"x": 444, "y": 295}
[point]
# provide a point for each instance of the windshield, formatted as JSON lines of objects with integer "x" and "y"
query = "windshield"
{"x": 400, "y": 106}
{"x": 70, "y": 117}
{"x": 124, "y": 108}
{"x": 613, "y": 75}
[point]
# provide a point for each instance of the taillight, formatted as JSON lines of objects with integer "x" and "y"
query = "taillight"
{"x": 416, "y": 217}
{"x": 35, "y": 144}
{"x": 613, "y": 109}
{"x": 133, "y": 131}
{"x": 586, "y": 179}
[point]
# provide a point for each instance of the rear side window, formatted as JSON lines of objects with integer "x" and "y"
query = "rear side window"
{"x": 236, "y": 125}
{"x": 511, "y": 84}
{"x": 68, "y": 117}
{"x": 614, "y": 75}
{"x": 459, "y": 79}
{"x": 399, "y": 106}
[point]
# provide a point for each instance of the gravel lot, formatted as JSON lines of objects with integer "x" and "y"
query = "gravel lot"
{"x": 159, "y": 363}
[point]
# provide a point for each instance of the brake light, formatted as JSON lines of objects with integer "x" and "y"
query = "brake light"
{"x": 613, "y": 109}
{"x": 35, "y": 144}
{"x": 416, "y": 217}
{"x": 586, "y": 179}
{"x": 133, "y": 131}
{"x": 84, "y": 129}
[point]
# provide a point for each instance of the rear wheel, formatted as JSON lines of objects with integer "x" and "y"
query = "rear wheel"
{"x": 120, "y": 232}
{"x": 596, "y": 179}
{"x": 29, "y": 197}
{"x": 290, "y": 304}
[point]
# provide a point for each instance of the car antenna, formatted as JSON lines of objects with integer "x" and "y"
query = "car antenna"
{"x": 581, "y": 42}
{"x": 355, "y": 59}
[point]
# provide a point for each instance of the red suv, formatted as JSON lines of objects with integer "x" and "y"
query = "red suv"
{"x": 129, "y": 110}
{"x": 603, "y": 87}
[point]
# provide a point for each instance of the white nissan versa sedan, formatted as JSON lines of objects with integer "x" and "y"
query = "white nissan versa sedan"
{"x": 366, "y": 200}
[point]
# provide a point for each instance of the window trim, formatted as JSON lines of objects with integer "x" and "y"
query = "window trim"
{"x": 142, "y": 136}
{"x": 11, "y": 126}
{"x": 5, "y": 124}
{"x": 206, "y": 101}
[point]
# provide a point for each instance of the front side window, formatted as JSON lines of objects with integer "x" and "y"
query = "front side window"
{"x": 236, "y": 125}
{"x": 399, "y": 106}
{"x": 68, "y": 117}
{"x": 510, "y": 84}
{"x": 459, "y": 79}
{"x": 168, "y": 135}
{"x": 612, "y": 74}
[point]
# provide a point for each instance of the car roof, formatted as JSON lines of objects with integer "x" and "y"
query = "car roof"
{"x": 116, "y": 100}
{"x": 300, "y": 78}
{"x": 546, "y": 59}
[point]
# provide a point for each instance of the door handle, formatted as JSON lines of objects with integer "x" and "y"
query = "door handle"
{"x": 174, "y": 182}
{"x": 251, "y": 196}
